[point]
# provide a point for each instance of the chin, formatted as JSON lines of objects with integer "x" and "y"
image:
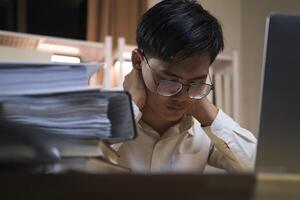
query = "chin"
{"x": 172, "y": 116}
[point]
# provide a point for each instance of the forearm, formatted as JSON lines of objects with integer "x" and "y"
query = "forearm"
{"x": 235, "y": 147}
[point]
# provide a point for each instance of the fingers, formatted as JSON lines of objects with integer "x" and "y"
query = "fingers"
{"x": 134, "y": 84}
{"x": 130, "y": 78}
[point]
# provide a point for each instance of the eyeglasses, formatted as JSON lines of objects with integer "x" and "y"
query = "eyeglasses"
{"x": 171, "y": 88}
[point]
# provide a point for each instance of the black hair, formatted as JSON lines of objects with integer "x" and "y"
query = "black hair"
{"x": 179, "y": 29}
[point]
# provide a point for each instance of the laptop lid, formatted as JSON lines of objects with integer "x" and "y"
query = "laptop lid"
{"x": 279, "y": 120}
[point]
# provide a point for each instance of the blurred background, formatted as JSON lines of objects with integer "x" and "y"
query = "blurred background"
{"x": 104, "y": 31}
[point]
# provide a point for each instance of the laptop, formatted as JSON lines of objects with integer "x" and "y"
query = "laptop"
{"x": 279, "y": 118}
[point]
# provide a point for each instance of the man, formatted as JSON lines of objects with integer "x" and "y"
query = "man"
{"x": 179, "y": 130}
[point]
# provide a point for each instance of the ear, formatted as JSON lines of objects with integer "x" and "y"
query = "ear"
{"x": 137, "y": 59}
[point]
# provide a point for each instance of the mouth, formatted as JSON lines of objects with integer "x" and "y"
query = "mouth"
{"x": 176, "y": 108}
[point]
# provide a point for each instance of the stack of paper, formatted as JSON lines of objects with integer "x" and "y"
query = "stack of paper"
{"x": 36, "y": 77}
{"x": 50, "y": 119}
{"x": 27, "y": 149}
{"x": 78, "y": 113}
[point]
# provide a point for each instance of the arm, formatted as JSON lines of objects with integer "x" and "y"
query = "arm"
{"x": 134, "y": 84}
{"x": 233, "y": 148}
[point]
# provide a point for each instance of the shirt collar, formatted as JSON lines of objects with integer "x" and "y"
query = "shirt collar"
{"x": 183, "y": 125}
{"x": 186, "y": 124}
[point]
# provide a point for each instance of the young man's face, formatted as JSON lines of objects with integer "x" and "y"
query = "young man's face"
{"x": 190, "y": 70}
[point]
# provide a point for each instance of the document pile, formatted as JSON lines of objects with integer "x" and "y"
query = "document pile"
{"x": 53, "y": 97}
{"x": 49, "y": 117}
{"x": 77, "y": 113}
{"x": 16, "y": 78}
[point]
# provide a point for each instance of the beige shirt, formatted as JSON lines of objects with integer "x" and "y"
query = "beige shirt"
{"x": 188, "y": 147}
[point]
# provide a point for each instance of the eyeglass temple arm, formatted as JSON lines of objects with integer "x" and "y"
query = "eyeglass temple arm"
{"x": 212, "y": 84}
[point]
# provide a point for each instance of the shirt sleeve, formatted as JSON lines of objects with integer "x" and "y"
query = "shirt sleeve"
{"x": 233, "y": 147}
{"x": 136, "y": 111}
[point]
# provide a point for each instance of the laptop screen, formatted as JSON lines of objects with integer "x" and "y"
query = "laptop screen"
{"x": 279, "y": 122}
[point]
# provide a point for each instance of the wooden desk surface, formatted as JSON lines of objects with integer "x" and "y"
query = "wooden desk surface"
{"x": 146, "y": 187}
{"x": 277, "y": 187}
{"x": 133, "y": 187}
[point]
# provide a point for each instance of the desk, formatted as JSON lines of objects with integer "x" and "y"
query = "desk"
{"x": 277, "y": 187}
{"x": 133, "y": 187}
{"x": 148, "y": 187}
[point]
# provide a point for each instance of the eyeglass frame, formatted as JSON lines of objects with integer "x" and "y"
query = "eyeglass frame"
{"x": 157, "y": 82}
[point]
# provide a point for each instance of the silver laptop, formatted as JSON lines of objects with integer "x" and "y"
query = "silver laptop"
{"x": 279, "y": 121}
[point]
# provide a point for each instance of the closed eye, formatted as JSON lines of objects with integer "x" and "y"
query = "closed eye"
{"x": 199, "y": 82}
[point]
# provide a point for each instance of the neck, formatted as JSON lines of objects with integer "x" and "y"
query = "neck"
{"x": 159, "y": 124}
